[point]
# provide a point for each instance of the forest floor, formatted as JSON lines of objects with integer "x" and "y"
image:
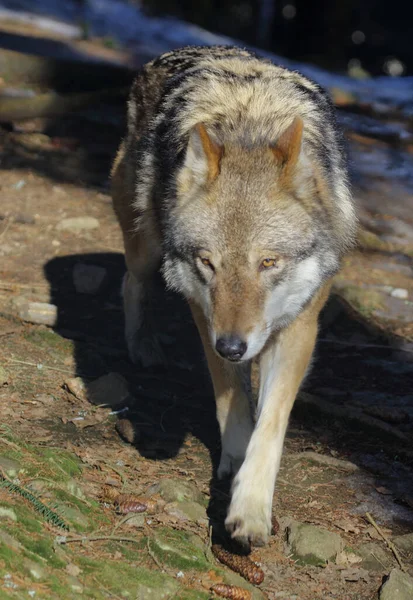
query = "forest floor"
{"x": 65, "y": 386}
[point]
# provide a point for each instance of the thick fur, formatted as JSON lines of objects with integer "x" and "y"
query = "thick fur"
{"x": 232, "y": 180}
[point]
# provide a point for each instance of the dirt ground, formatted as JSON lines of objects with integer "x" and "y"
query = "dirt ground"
{"x": 59, "y": 444}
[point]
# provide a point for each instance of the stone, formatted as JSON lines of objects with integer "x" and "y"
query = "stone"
{"x": 187, "y": 511}
{"x": 33, "y": 568}
{"x": 399, "y": 293}
{"x": 232, "y": 578}
{"x": 77, "y": 387}
{"x": 175, "y": 490}
{"x": 165, "y": 590}
{"x": 179, "y": 549}
{"x": 7, "y": 513}
{"x": 9, "y": 541}
{"x": 312, "y": 545}
{"x": 398, "y": 586}
{"x": 75, "y": 585}
{"x": 41, "y": 313}
{"x": 375, "y": 557}
{"x": 4, "y": 378}
{"x": 74, "y": 516}
{"x": 404, "y": 542}
{"x": 88, "y": 279}
{"x": 10, "y": 466}
{"x": 77, "y": 224}
{"x": 136, "y": 521}
{"x": 73, "y": 488}
{"x": 110, "y": 390}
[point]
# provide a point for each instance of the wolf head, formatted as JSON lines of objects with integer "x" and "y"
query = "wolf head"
{"x": 250, "y": 236}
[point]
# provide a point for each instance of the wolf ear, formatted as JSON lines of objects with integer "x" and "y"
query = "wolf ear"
{"x": 288, "y": 146}
{"x": 203, "y": 155}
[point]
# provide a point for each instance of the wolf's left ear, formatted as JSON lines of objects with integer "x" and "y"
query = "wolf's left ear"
{"x": 203, "y": 155}
{"x": 288, "y": 146}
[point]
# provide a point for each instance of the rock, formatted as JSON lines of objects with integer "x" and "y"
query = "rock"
{"x": 10, "y": 466}
{"x": 110, "y": 390}
{"x": 399, "y": 586}
{"x": 7, "y": 513}
{"x": 174, "y": 490}
{"x": 77, "y": 224}
{"x": 312, "y": 545}
{"x": 77, "y": 387}
{"x": 73, "y": 488}
{"x": 136, "y": 521}
{"x": 159, "y": 587}
{"x": 399, "y": 293}
{"x": 4, "y": 378}
{"x": 73, "y": 515}
{"x": 187, "y": 511}
{"x": 33, "y": 568}
{"x": 75, "y": 585}
{"x": 39, "y": 312}
{"x": 179, "y": 549}
{"x": 10, "y": 541}
{"x": 375, "y": 557}
{"x": 88, "y": 279}
{"x": 24, "y": 219}
{"x": 404, "y": 542}
{"x": 232, "y": 578}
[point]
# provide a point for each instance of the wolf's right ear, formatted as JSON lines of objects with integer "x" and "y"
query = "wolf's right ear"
{"x": 288, "y": 146}
{"x": 203, "y": 155}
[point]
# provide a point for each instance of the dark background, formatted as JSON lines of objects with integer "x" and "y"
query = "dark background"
{"x": 334, "y": 34}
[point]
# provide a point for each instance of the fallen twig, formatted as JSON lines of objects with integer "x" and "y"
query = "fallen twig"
{"x": 152, "y": 555}
{"x": 389, "y": 543}
{"x": 95, "y": 538}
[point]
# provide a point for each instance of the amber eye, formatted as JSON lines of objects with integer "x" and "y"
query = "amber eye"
{"x": 207, "y": 263}
{"x": 267, "y": 263}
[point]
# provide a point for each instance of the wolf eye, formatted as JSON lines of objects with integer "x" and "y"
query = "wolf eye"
{"x": 207, "y": 263}
{"x": 267, "y": 263}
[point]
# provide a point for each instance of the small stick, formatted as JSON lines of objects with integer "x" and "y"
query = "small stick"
{"x": 97, "y": 538}
{"x": 386, "y": 539}
{"x": 152, "y": 555}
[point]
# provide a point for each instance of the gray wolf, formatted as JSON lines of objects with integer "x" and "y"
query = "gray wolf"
{"x": 232, "y": 181}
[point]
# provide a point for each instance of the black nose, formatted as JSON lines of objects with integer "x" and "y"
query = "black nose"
{"x": 232, "y": 347}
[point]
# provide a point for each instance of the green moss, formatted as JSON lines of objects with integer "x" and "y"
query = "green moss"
{"x": 7, "y": 554}
{"x": 179, "y": 549}
{"x": 25, "y": 518}
{"x": 128, "y": 550}
{"x": 42, "y": 547}
{"x": 192, "y": 595}
{"x": 64, "y": 464}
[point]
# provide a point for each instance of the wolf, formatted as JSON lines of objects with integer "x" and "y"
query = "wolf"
{"x": 232, "y": 181}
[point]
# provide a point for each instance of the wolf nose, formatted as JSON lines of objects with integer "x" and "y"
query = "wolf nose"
{"x": 232, "y": 347}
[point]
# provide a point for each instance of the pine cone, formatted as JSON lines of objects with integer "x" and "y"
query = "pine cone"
{"x": 232, "y": 592}
{"x": 127, "y": 503}
{"x": 240, "y": 564}
{"x": 130, "y": 505}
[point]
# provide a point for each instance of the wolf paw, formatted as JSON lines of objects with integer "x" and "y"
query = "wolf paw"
{"x": 146, "y": 351}
{"x": 249, "y": 519}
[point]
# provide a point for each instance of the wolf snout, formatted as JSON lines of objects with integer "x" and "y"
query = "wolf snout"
{"x": 231, "y": 347}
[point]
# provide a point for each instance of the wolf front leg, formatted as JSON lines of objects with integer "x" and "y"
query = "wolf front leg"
{"x": 233, "y": 402}
{"x": 283, "y": 366}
